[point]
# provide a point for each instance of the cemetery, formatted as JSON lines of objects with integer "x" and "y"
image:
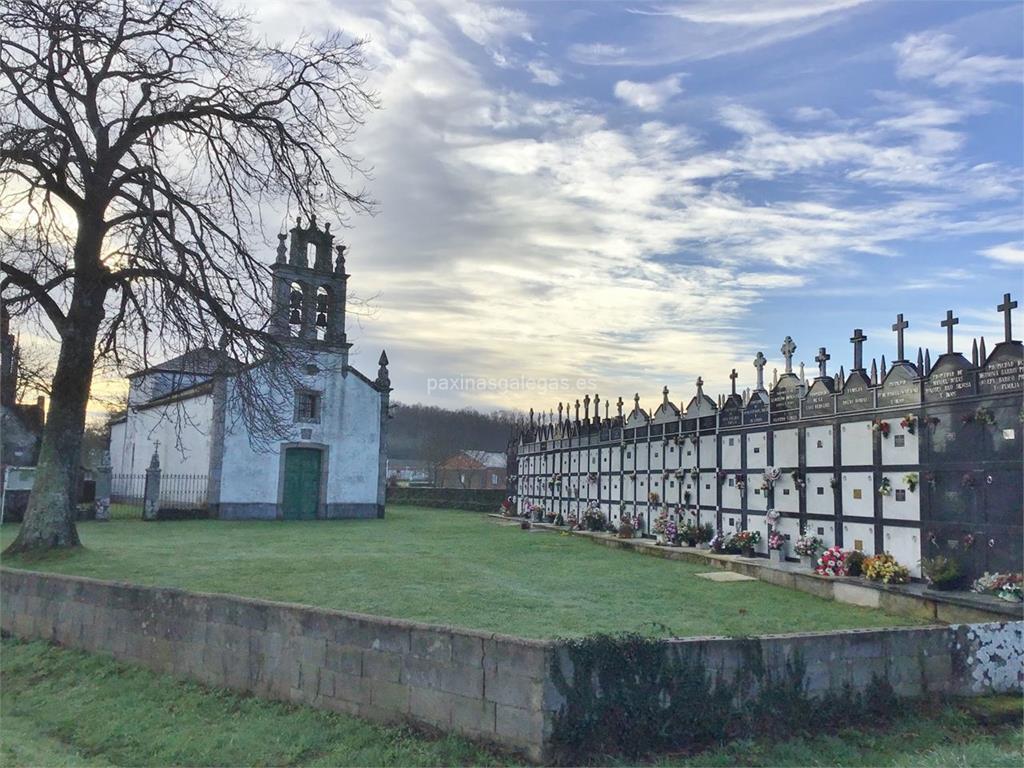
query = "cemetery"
{"x": 907, "y": 471}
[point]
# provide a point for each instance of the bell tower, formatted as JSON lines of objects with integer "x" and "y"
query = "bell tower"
{"x": 309, "y": 298}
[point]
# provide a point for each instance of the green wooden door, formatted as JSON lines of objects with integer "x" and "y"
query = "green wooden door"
{"x": 301, "y": 483}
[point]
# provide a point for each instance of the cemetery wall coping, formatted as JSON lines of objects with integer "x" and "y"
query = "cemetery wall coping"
{"x": 487, "y": 686}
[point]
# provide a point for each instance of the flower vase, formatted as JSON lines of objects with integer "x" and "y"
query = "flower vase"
{"x": 807, "y": 561}
{"x": 776, "y": 556}
{"x": 661, "y": 539}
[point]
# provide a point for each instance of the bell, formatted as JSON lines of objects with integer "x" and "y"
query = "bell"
{"x": 321, "y": 320}
{"x": 294, "y": 318}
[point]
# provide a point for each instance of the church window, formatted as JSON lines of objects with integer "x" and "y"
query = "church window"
{"x": 307, "y": 406}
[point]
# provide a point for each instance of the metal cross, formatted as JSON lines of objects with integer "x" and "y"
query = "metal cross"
{"x": 1006, "y": 307}
{"x": 822, "y": 359}
{"x": 733, "y": 376}
{"x": 948, "y": 324}
{"x": 858, "y": 340}
{"x": 787, "y": 349}
{"x": 899, "y": 326}
{"x": 759, "y": 362}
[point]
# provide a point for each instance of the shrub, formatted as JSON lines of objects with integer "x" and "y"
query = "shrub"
{"x": 855, "y": 563}
{"x": 942, "y": 572}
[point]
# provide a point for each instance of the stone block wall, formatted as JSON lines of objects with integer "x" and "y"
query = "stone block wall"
{"x": 478, "y": 684}
{"x": 486, "y": 686}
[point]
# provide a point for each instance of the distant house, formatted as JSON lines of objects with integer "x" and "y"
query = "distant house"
{"x": 409, "y": 473}
{"x": 21, "y": 424}
{"x": 473, "y": 469}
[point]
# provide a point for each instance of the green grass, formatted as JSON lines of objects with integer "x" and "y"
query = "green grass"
{"x": 447, "y": 567}
{"x": 67, "y": 708}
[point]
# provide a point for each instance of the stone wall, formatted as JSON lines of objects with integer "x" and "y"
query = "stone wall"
{"x": 486, "y": 686}
{"x": 479, "y": 684}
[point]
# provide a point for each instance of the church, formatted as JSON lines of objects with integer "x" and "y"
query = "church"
{"x": 330, "y": 461}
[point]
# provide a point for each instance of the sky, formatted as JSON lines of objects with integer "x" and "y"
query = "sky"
{"x": 614, "y": 197}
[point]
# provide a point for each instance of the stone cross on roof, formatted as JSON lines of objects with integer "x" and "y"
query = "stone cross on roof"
{"x": 759, "y": 362}
{"x": 664, "y": 394}
{"x": 700, "y": 388}
{"x": 597, "y": 405}
{"x": 619, "y": 406}
{"x": 606, "y": 403}
{"x": 948, "y": 324}
{"x": 822, "y": 359}
{"x": 1006, "y": 308}
{"x": 586, "y": 407}
{"x": 788, "y": 348}
{"x": 636, "y": 400}
{"x": 858, "y": 340}
{"x": 900, "y": 326}
{"x": 577, "y": 409}
{"x": 559, "y": 412}
{"x": 733, "y": 376}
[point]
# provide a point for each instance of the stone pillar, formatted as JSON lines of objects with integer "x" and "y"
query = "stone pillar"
{"x": 151, "y": 497}
{"x": 383, "y": 384}
{"x": 103, "y": 481}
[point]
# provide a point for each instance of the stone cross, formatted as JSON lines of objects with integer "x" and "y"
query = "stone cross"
{"x": 787, "y": 349}
{"x": 619, "y": 405}
{"x": 948, "y": 324}
{"x": 759, "y": 363}
{"x": 700, "y": 390}
{"x": 586, "y": 408}
{"x": 858, "y": 340}
{"x": 822, "y": 360}
{"x": 664, "y": 394}
{"x": 606, "y": 403}
{"x": 636, "y": 402}
{"x": 531, "y": 417}
{"x": 597, "y": 406}
{"x": 733, "y": 376}
{"x": 1006, "y": 308}
{"x": 900, "y": 326}
{"x": 559, "y": 413}
{"x": 577, "y": 409}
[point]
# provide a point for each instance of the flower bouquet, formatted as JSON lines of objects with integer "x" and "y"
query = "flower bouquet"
{"x": 885, "y": 489}
{"x": 881, "y": 426}
{"x": 909, "y": 423}
{"x": 885, "y": 569}
{"x": 746, "y": 541}
{"x": 1005, "y": 586}
{"x": 776, "y": 543}
{"x": 660, "y": 527}
{"x": 672, "y": 533}
{"x": 807, "y": 548}
{"x": 831, "y": 563}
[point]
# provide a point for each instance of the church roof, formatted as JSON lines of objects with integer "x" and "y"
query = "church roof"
{"x": 204, "y": 361}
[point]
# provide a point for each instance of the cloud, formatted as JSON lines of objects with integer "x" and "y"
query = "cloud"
{"x": 932, "y": 56}
{"x": 1006, "y": 253}
{"x": 707, "y": 29}
{"x": 543, "y": 74}
{"x": 649, "y": 97}
{"x": 813, "y": 114}
{"x": 488, "y": 25}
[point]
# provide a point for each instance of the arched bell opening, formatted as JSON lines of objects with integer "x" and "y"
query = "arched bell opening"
{"x": 296, "y": 301}
{"x": 324, "y": 308}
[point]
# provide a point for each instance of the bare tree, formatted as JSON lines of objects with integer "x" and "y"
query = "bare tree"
{"x": 137, "y": 143}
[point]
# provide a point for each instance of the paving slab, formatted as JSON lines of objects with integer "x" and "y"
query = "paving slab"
{"x": 725, "y": 576}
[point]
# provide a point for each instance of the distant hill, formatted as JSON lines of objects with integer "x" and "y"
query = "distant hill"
{"x": 429, "y": 433}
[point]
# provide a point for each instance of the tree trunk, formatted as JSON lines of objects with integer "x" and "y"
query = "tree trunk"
{"x": 49, "y": 521}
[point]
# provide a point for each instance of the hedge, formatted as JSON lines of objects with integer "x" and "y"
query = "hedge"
{"x": 470, "y": 499}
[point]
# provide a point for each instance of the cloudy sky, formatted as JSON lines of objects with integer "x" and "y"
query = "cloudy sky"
{"x": 614, "y": 197}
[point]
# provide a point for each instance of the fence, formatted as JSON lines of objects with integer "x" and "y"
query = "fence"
{"x": 179, "y": 495}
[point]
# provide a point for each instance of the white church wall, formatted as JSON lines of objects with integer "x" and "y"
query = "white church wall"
{"x": 182, "y": 430}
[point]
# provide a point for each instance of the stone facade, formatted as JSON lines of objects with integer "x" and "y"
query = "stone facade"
{"x": 486, "y": 686}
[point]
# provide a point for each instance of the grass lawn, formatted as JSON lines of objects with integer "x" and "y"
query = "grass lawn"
{"x": 447, "y": 567}
{"x": 67, "y": 708}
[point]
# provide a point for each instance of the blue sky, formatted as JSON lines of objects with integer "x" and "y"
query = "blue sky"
{"x": 623, "y": 196}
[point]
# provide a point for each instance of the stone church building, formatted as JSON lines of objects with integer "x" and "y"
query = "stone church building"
{"x": 332, "y": 461}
